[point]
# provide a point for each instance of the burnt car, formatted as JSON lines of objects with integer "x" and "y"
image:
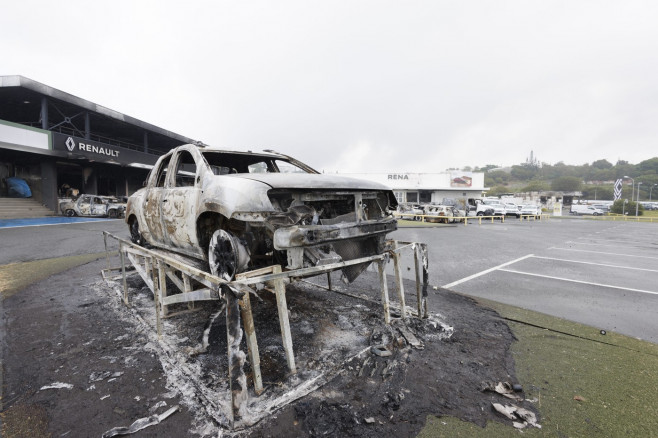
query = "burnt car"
{"x": 241, "y": 210}
{"x": 93, "y": 206}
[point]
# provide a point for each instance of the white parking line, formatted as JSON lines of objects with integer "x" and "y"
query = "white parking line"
{"x": 596, "y": 264}
{"x": 455, "y": 283}
{"x": 579, "y": 281}
{"x": 593, "y": 244}
{"x": 606, "y": 253}
{"x": 611, "y": 242}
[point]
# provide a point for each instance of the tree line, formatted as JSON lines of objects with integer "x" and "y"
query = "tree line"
{"x": 595, "y": 180}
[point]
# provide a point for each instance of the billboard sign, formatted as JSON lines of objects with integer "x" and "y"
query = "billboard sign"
{"x": 78, "y": 147}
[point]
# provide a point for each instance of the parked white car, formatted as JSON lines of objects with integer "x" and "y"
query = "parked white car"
{"x": 498, "y": 208}
{"x": 585, "y": 210}
{"x": 530, "y": 209}
{"x": 605, "y": 208}
{"x": 512, "y": 209}
{"x": 443, "y": 214}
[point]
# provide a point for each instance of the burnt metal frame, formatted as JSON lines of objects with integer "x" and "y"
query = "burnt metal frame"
{"x": 155, "y": 266}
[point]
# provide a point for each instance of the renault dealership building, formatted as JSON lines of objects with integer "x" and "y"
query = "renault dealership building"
{"x": 430, "y": 187}
{"x": 54, "y": 140}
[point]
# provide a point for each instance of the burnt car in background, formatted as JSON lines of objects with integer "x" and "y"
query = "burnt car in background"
{"x": 244, "y": 210}
{"x": 93, "y": 206}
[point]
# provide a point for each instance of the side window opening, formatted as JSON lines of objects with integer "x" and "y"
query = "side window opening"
{"x": 260, "y": 167}
{"x": 286, "y": 167}
{"x": 162, "y": 172}
{"x": 185, "y": 170}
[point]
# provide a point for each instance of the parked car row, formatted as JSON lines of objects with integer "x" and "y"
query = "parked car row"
{"x": 494, "y": 207}
{"x": 446, "y": 214}
{"x": 437, "y": 213}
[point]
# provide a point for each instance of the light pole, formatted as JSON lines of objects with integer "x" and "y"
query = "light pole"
{"x": 651, "y": 190}
{"x": 633, "y": 192}
{"x": 637, "y": 204}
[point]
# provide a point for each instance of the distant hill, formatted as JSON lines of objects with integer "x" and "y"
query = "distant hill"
{"x": 595, "y": 180}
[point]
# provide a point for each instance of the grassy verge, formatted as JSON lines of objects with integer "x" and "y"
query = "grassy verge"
{"x": 17, "y": 276}
{"x": 557, "y": 360}
{"x": 403, "y": 223}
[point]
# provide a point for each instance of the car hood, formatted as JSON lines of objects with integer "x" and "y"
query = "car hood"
{"x": 310, "y": 181}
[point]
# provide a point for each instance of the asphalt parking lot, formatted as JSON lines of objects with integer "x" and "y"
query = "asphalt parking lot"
{"x": 603, "y": 274}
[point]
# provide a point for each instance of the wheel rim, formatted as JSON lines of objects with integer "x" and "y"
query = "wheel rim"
{"x": 134, "y": 232}
{"x": 227, "y": 256}
{"x": 70, "y": 213}
{"x": 223, "y": 263}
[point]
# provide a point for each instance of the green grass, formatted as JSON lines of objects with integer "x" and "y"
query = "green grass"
{"x": 616, "y": 375}
{"x": 403, "y": 223}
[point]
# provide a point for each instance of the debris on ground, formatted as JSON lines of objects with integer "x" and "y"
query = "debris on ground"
{"x": 97, "y": 376}
{"x": 140, "y": 424}
{"x": 521, "y": 418}
{"x": 57, "y": 385}
{"x": 505, "y": 389}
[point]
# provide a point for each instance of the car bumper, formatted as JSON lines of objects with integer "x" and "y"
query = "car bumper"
{"x": 298, "y": 236}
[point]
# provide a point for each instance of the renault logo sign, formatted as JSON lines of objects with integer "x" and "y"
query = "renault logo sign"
{"x": 94, "y": 149}
{"x": 70, "y": 144}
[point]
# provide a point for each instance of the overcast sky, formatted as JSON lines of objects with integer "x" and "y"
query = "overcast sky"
{"x": 361, "y": 86}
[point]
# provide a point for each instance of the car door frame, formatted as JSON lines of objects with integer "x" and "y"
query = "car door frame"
{"x": 151, "y": 208}
{"x": 179, "y": 205}
{"x": 81, "y": 205}
{"x": 98, "y": 211}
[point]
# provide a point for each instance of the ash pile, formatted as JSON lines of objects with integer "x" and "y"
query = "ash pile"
{"x": 355, "y": 375}
{"x": 335, "y": 334}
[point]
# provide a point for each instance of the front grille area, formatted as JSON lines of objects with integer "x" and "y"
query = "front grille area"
{"x": 332, "y": 207}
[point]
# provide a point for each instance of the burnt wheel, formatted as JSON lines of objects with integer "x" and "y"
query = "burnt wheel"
{"x": 70, "y": 213}
{"x": 135, "y": 235}
{"x": 227, "y": 256}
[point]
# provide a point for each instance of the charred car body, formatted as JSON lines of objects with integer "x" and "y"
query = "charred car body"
{"x": 93, "y": 206}
{"x": 244, "y": 210}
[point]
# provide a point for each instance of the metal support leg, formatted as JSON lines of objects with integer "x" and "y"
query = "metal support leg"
{"x": 252, "y": 344}
{"x": 162, "y": 274}
{"x": 398, "y": 282}
{"x": 329, "y": 280}
{"x": 187, "y": 288}
{"x": 425, "y": 265}
{"x": 107, "y": 253}
{"x": 419, "y": 296}
{"x": 236, "y": 376}
{"x": 156, "y": 299}
{"x": 384, "y": 286}
{"x": 282, "y": 306}
{"x": 123, "y": 273}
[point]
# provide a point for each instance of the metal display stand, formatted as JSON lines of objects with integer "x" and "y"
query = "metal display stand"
{"x": 155, "y": 266}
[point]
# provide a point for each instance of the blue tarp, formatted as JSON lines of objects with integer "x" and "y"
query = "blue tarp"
{"x": 40, "y": 221}
{"x": 18, "y": 188}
